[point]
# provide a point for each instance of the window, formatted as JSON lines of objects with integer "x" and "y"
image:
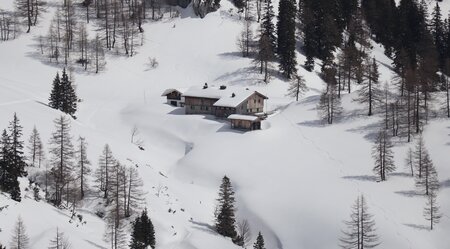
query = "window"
{"x": 254, "y": 101}
{"x": 257, "y": 109}
{"x": 192, "y": 107}
{"x": 206, "y": 108}
{"x": 259, "y": 100}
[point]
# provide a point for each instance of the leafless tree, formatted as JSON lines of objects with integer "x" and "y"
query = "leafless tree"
{"x": 360, "y": 233}
{"x": 383, "y": 155}
{"x": 36, "y": 148}
{"x": 297, "y": 86}
{"x": 19, "y": 239}
{"x": 59, "y": 241}
{"x": 83, "y": 166}
{"x": 244, "y": 232}
{"x": 431, "y": 210}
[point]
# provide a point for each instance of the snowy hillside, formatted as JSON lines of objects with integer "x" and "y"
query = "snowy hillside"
{"x": 295, "y": 180}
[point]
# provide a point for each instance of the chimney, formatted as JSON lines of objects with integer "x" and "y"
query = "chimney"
{"x": 223, "y": 87}
{"x": 205, "y": 86}
{"x": 233, "y": 95}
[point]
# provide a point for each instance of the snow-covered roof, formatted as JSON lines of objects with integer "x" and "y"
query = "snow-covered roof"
{"x": 170, "y": 90}
{"x": 226, "y": 97}
{"x": 243, "y": 117}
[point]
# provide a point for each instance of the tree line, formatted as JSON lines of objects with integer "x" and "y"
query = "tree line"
{"x": 64, "y": 179}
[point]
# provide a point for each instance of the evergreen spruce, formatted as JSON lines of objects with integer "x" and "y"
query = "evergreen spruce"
{"x": 5, "y": 161}
{"x": 68, "y": 96}
{"x": 286, "y": 37}
{"x": 225, "y": 218}
{"x": 267, "y": 26}
{"x": 63, "y": 96}
{"x": 143, "y": 233}
{"x": 13, "y": 159}
{"x": 55, "y": 95}
{"x": 259, "y": 244}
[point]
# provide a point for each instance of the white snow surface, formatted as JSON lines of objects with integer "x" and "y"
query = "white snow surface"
{"x": 295, "y": 180}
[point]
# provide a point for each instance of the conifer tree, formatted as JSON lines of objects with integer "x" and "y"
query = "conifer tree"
{"x": 267, "y": 26}
{"x": 143, "y": 232}
{"x": 360, "y": 233}
{"x": 5, "y": 161}
{"x": 259, "y": 244}
{"x": 383, "y": 155}
{"x": 68, "y": 96}
{"x": 83, "y": 165}
{"x": 18, "y": 158}
{"x": 20, "y": 238}
{"x": 431, "y": 210}
{"x": 55, "y": 99}
{"x": 438, "y": 33}
{"x": 225, "y": 219}
{"x": 286, "y": 37}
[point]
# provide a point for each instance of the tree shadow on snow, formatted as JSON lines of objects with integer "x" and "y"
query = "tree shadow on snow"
{"x": 312, "y": 123}
{"x": 364, "y": 178}
{"x": 94, "y": 244}
{"x": 408, "y": 193}
{"x": 401, "y": 174}
{"x": 203, "y": 227}
{"x": 445, "y": 184}
{"x": 370, "y": 131}
{"x": 418, "y": 227}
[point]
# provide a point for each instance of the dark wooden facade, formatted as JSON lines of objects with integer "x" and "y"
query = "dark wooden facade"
{"x": 245, "y": 124}
{"x": 199, "y": 105}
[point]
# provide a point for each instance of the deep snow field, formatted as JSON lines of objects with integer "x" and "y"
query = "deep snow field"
{"x": 295, "y": 180}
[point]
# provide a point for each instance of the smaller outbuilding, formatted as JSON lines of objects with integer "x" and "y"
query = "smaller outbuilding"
{"x": 174, "y": 97}
{"x": 245, "y": 122}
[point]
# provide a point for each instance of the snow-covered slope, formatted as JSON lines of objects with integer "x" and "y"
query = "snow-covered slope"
{"x": 295, "y": 180}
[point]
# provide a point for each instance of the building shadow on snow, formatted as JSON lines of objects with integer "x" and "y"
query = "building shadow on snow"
{"x": 177, "y": 111}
